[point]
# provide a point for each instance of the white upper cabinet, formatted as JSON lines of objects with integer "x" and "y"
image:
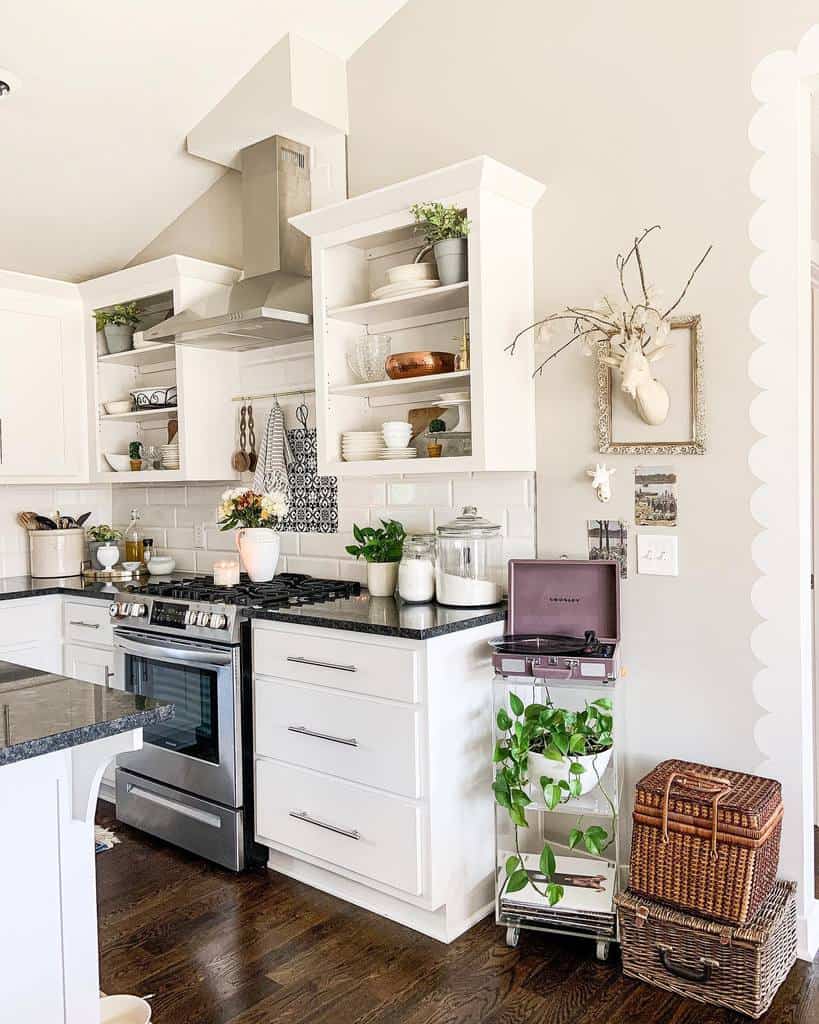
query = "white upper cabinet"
{"x": 42, "y": 381}
{"x": 205, "y": 378}
{"x": 354, "y": 244}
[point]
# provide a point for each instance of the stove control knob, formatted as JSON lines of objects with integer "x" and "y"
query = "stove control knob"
{"x": 217, "y": 620}
{"x": 115, "y": 610}
{"x": 190, "y": 618}
{"x": 202, "y": 618}
{"x": 138, "y": 609}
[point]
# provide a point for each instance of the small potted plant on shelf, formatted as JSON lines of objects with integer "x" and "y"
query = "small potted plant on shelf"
{"x": 258, "y": 519}
{"x": 118, "y": 323}
{"x": 381, "y": 548}
{"x": 549, "y": 756}
{"x": 434, "y": 447}
{"x": 445, "y": 229}
{"x": 99, "y": 537}
{"x": 100, "y": 319}
{"x": 135, "y": 455}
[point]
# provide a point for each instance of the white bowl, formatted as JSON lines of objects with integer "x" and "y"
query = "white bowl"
{"x": 124, "y": 1010}
{"x": 120, "y": 405}
{"x": 131, "y": 566}
{"x": 161, "y": 565}
{"x": 119, "y": 463}
{"x": 411, "y": 272}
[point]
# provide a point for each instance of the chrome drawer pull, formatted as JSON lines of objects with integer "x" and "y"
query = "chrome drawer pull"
{"x": 302, "y": 730}
{"x": 323, "y": 664}
{"x": 88, "y": 625}
{"x": 351, "y": 833}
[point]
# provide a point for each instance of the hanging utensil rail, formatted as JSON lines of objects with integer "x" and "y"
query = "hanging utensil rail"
{"x": 273, "y": 394}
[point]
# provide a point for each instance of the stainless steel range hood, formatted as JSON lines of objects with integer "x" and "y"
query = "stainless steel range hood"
{"x": 273, "y": 303}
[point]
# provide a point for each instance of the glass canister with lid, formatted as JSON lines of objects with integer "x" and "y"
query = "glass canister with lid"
{"x": 416, "y": 571}
{"x": 469, "y": 569}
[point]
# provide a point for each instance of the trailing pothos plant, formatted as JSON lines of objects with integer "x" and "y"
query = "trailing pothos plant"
{"x": 561, "y": 736}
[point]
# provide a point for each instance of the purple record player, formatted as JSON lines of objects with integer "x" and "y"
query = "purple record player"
{"x": 563, "y": 620}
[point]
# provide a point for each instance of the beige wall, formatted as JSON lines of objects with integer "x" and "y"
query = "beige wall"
{"x": 631, "y": 114}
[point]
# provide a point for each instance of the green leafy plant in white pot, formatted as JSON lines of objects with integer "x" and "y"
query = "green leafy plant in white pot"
{"x": 118, "y": 323}
{"x": 381, "y": 547}
{"x": 551, "y": 756}
{"x": 445, "y": 229}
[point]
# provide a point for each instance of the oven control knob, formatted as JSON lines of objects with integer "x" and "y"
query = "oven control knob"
{"x": 190, "y": 618}
{"x": 202, "y": 618}
{"x": 115, "y": 609}
{"x": 218, "y": 620}
{"x": 138, "y": 609}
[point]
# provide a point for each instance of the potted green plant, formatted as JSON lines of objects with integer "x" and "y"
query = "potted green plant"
{"x": 101, "y": 536}
{"x": 381, "y": 547}
{"x": 550, "y": 756}
{"x": 445, "y": 230}
{"x": 434, "y": 446}
{"x": 118, "y": 323}
{"x": 135, "y": 455}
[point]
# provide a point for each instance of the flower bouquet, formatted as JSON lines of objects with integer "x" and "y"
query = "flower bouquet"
{"x": 258, "y": 518}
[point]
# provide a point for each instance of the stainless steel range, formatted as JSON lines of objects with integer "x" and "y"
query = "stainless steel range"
{"x": 187, "y": 641}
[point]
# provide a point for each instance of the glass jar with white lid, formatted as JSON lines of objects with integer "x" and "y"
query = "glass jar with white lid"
{"x": 416, "y": 571}
{"x": 469, "y": 569}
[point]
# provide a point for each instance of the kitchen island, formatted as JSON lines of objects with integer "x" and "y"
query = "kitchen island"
{"x": 56, "y": 737}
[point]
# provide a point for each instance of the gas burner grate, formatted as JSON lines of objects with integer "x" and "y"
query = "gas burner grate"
{"x": 291, "y": 589}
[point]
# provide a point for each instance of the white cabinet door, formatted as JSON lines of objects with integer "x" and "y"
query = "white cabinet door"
{"x": 42, "y": 398}
{"x": 91, "y": 664}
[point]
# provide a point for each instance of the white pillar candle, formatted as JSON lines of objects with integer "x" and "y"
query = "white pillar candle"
{"x": 226, "y": 574}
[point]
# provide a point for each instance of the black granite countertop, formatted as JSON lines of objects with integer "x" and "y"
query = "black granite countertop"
{"x": 41, "y": 712}
{"x": 386, "y": 616}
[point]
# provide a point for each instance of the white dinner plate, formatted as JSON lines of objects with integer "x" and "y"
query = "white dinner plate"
{"x": 392, "y": 291}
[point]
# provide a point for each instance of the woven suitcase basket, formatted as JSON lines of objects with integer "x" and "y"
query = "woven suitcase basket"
{"x": 706, "y": 840}
{"x": 740, "y": 968}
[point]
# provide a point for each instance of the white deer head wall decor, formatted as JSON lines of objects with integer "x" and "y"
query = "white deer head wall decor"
{"x": 635, "y": 331}
{"x": 601, "y": 481}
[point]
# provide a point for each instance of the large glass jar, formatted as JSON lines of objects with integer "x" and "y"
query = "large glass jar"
{"x": 416, "y": 571}
{"x": 470, "y": 569}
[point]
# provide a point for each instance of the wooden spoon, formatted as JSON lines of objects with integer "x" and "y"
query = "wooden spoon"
{"x": 240, "y": 461}
{"x": 253, "y": 458}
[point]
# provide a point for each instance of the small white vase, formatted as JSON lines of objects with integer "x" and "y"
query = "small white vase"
{"x": 259, "y": 551}
{"x": 540, "y": 765}
{"x": 382, "y": 578}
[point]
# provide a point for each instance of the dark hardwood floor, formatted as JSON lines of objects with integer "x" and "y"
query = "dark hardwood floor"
{"x": 258, "y": 948}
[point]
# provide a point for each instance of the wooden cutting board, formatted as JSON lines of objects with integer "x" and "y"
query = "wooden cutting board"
{"x": 420, "y": 419}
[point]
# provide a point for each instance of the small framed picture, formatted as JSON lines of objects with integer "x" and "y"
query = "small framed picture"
{"x": 608, "y": 539}
{"x": 620, "y": 428}
{"x": 655, "y": 496}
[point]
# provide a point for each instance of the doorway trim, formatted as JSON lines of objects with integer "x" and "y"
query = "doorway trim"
{"x": 782, "y": 458}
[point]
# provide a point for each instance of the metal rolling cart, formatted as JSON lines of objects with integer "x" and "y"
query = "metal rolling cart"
{"x": 560, "y": 657}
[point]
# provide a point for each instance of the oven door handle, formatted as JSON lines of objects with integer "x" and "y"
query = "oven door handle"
{"x": 163, "y": 652}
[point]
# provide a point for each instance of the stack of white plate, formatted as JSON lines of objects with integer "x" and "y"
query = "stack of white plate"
{"x": 360, "y": 445}
{"x": 399, "y": 453}
{"x": 169, "y": 455}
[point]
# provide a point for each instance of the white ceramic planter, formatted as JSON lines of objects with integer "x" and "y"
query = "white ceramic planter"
{"x": 557, "y": 770}
{"x": 259, "y": 552}
{"x": 119, "y": 337}
{"x": 382, "y": 578}
{"x": 450, "y": 256}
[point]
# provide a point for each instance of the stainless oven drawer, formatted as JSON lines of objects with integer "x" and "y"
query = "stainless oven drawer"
{"x": 212, "y": 831}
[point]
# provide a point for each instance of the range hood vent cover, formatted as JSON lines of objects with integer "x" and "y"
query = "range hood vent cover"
{"x": 273, "y": 304}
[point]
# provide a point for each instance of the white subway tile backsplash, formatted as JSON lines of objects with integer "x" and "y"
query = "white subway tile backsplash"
{"x": 218, "y": 540}
{"x": 350, "y": 515}
{"x": 166, "y": 495}
{"x": 363, "y": 493}
{"x": 180, "y": 537}
{"x": 208, "y": 494}
{"x": 436, "y": 491}
{"x": 192, "y": 515}
{"x": 350, "y": 569}
{"x": 290, "y": 543}
{"x": 325, "y": 544}
{"x": 325, "y": 567}
{"x": 185, "y": 560}
{"x": 415, "y": 520}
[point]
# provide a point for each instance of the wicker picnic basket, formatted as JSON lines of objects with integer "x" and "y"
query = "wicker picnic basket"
{"x": 740, "y": 968}
{"x": 706, "y": 840}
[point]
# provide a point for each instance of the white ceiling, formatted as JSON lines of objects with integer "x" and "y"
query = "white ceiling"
{"x": 93, "y": 163}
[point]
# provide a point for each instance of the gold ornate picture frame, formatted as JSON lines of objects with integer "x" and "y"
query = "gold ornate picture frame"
{"x": 610, "y": 439}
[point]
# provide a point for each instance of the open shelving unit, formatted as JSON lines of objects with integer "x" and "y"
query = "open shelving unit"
{"x": 354, "y": 245}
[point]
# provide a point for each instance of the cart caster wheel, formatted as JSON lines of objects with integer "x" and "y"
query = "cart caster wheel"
{"x": 512, "y": 937}
{"x": 602, "y": 950}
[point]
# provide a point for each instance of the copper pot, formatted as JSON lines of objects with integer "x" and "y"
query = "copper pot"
{"x": 419, "y": 364}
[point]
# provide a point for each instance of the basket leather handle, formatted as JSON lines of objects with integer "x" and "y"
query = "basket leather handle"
{"x": 701, "y": 974}
{"x": 715, "y": 786}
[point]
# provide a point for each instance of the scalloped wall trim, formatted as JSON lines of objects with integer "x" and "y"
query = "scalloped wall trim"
{"x": 781, "y": 459}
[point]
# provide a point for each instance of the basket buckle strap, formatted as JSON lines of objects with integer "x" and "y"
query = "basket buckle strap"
{"x": 713, "y": 785}
{"x": 641, "y": 916}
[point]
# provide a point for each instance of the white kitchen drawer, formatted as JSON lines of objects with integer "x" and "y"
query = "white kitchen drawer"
{"x": 353, "y": 828}
{"x": 88, "y": 623}
{"x": 370, "y": 741}
{"x": 377, "y": 669}
{"x": 33, "y": 620}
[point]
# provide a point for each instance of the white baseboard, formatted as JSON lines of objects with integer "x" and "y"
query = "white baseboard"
{"x": 434, "y": 923}
{"x": 807, "y": 944}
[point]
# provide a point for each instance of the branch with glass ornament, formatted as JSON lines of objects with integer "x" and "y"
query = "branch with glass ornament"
{"x": 635, "y": 332}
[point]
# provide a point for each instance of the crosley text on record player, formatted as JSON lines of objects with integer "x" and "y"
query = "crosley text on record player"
{"x": 563, "y": 620}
